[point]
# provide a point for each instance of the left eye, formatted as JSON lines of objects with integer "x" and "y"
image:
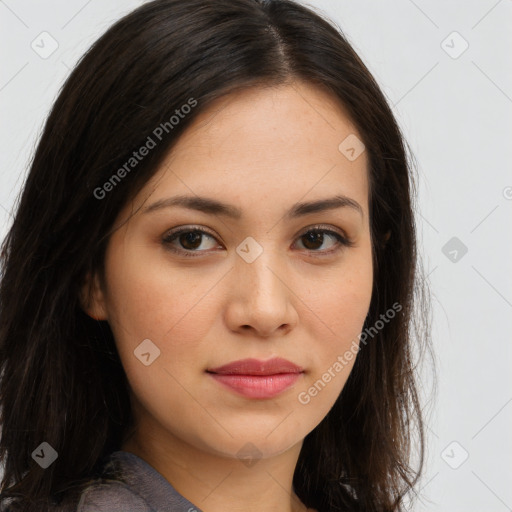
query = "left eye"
{"x": 314, "y": 239}
{"x": 191, "y": 240}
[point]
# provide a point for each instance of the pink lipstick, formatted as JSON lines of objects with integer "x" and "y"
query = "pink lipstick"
{"x": 253, "y": 378}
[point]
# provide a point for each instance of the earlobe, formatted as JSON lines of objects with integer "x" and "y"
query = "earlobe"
{"x": 92, "y": 298}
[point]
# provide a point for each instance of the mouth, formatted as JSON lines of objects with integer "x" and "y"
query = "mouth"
{"x": 253, "y": 378}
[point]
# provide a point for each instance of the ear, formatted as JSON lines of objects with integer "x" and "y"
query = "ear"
{"x": 92, "y": 297}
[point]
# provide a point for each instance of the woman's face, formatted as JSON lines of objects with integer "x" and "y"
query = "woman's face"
{"x": 260, "y": 284}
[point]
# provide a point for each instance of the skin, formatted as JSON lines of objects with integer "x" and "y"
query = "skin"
{"x": 261, "y": 150}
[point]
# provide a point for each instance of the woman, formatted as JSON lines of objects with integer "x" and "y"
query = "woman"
{"x": 207, "y": 290}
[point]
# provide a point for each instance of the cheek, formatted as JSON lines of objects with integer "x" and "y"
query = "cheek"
{"x": 152, "y": 300}
{"x": 173, "y": 308}
{"x": 341, "y": 298}
{"x": 347, "y": 309}
{"x": 339, "y": 307}
{"x": 155, "y": 302}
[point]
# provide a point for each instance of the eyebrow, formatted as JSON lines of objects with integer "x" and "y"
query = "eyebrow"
{"x": 214, "y": 207}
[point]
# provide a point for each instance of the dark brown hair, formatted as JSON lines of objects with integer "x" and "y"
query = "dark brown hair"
{"x": 62, "y": 381}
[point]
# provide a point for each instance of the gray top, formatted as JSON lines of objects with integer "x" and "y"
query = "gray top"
{"x": 142, "y": 489}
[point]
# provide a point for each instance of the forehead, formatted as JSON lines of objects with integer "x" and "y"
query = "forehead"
{"x": 270, "y": 144}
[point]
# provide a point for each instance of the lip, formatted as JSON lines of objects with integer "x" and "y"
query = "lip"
{"x": 272, "y": 366}
{"x": 254, "y": 378}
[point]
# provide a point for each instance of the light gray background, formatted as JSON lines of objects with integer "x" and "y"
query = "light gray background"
{"x": 456, "y": 115}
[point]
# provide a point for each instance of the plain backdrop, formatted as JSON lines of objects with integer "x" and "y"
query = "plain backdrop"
{"x": 443, "y": 66}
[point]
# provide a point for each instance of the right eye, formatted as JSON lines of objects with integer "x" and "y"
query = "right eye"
{"x": 190, "y": 240}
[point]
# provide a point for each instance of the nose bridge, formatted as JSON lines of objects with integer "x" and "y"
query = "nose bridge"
{"x": 258, "y": 267}
{"x": 260, "y": 293}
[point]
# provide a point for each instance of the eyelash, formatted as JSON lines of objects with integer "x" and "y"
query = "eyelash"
{"x": 342, "y": 241}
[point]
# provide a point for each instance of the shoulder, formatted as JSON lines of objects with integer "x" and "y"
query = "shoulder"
{"x": 111, "y": 496}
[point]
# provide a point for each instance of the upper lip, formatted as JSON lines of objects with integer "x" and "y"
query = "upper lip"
{"x": 257, "y": 367}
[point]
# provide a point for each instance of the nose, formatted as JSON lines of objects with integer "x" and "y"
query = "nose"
{"x": 260, "y": 300}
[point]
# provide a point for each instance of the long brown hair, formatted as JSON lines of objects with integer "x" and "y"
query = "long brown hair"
{"x": 61, "y": 378}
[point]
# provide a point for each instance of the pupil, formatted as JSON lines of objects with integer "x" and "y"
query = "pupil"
{"x": 315, "y": 238}
{"x": 190, "y": 238}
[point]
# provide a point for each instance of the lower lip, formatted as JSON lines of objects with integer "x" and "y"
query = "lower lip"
{"x": 257, "y": 386}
